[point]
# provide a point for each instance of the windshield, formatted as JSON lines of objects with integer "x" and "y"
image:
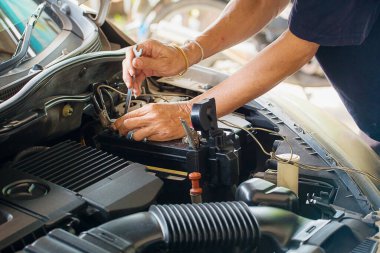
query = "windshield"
{"x": 14, "y": 15}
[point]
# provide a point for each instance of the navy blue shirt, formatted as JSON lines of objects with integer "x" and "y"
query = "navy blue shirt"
{"x": 348, "y": 32}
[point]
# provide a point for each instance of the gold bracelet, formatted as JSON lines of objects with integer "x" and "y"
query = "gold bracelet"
{"x": 184, "y": 57}
{"x": 199, "y": 45}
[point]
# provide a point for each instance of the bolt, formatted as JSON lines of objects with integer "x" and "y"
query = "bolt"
{"x": 67, "y": 111}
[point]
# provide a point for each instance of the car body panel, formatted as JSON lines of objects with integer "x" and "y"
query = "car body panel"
{"x": 63, "y": 167}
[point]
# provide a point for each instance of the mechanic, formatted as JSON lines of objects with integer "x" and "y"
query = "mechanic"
{"x": 344, "y": 35}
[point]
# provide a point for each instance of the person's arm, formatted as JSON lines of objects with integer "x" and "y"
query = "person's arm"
{"x": 283, "y": 57}
{"x": 239, "y": 20}
{"x": 277, "y": 61}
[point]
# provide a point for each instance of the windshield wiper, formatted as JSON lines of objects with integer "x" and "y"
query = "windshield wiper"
{"x": 23, "y": 43}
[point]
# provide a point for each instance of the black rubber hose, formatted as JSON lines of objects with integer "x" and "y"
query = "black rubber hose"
{"x": 225, "y": 226}
{"x": 209, "y": 225}
{"x": 132, "y": 233}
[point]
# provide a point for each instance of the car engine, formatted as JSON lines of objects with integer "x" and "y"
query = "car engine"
{"x": 71, "y": 184}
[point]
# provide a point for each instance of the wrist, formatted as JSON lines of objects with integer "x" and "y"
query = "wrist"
{"x": 185, "y": 110}
{"x": 194, "y": 51}
{"x": 184, "y": 56}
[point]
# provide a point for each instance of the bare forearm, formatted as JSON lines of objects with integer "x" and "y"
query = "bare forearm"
{"x": 268, "y": 68}
{"x": 239, "y": 20}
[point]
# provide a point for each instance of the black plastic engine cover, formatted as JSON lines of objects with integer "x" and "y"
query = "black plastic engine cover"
{"x": 18, "y": 190}
{"x": 219, "y": 167}
{"x": 172, "y": 155}
{"x": 110, "y": 183}
{"x": 45, "y": 188}
{"x": 125, "y": 192}
{"x": 30, "y": 209}
{"x": 15, "y": 224}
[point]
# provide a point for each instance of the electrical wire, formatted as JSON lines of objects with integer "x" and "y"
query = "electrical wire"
{"x": 143, "y": 95}
{"x": 103, "y": 103}
{"x": 112, "y": 102}
{"x": 289, "y": 161}
{"x": 103, "y": 110}
{"x": 96, "y": 104}
{"x": 248, "y": 131}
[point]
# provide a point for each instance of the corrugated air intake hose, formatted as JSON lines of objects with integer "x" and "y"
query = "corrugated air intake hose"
{"x": 210, "y": 227}
{"x": 200, "y": 226}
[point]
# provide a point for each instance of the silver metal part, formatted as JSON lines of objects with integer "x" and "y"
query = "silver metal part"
{"x": 128, "y": 99}
{"x": 196, "y": 199}
{"x": 137, "y": 54}
{"x": 104, "y": 119}
{"x": 191, "y": 135}
{"x": 130, "y": 135}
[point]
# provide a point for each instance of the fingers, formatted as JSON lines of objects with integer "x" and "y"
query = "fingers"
{"x": 133, "y": 77}
{"x": 157, "y": 59}
{"x": 130, "y": 124}
{"x": 165, "y": 65}
{"x": 137, "y": 84}
{"x": 148, "y": 63}
{"x": 133, "y": 114}
{"x": 129, "y": 71}
{"x": 127, "y": 77}
{"x": 145, "y": 133}
{"x": 142, "y": 134}
{"x": 133, "y": 120}
{"x": 159, "y": 122}
{"x": 150, "y": 133}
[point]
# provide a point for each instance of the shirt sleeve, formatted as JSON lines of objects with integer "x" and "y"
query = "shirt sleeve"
{"x": 333, "y": 22}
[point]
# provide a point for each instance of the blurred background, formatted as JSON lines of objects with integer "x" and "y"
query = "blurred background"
{"x": 180, "y": 20}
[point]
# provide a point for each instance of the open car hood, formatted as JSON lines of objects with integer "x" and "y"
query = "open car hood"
{"x": 63, "y": 168}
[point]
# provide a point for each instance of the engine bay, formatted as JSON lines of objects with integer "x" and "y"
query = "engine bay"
{"x": 64, "y": 171}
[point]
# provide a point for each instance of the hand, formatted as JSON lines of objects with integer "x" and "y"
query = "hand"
{"x": 157, "y": 59}
{"x": 156, "y": 122}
